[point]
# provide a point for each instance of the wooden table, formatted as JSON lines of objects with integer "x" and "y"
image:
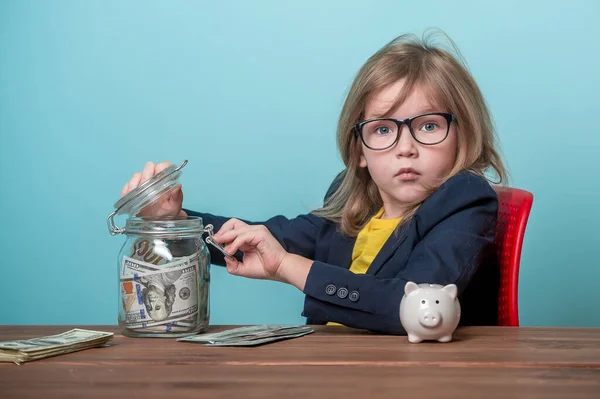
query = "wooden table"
{"x": 333, "y": 362}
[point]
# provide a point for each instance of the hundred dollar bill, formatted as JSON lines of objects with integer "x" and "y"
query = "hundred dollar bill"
{"x": 154, "y": 255}
{"x": 161, "y": 252}
{"x": 183, "y": 326}
{"x": 135, "y": 267}
{"x": 130, "y": 267}
{"x": 159, "y": 296}
{"x": 21, "y": 351}
{"x": 248, "y": 333}
{"x": 259, "y": 341}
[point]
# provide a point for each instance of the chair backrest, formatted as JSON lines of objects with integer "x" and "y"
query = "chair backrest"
{"x": 514, "y": 206}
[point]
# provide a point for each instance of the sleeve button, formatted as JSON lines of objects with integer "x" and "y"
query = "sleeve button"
{"x": 330, "y": 289}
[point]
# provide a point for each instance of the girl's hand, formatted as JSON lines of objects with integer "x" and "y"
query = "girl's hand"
{"x": 263, "y": 255}
{"x": 169, "y": 205}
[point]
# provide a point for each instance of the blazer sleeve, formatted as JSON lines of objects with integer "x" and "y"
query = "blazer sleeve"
{"x": 297, "y": 235}
{"x": 456, "y": 228}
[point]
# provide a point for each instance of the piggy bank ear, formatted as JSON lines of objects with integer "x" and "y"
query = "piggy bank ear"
{"x": 451, "y": 290}
{"x": 410, "y": 287}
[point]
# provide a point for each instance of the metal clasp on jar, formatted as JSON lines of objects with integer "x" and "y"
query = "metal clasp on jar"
{"x": 210, "y": 240}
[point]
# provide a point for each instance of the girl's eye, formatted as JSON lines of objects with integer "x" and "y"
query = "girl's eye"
{"x": 429, "y": 127}
{"x": 383, "y": 130}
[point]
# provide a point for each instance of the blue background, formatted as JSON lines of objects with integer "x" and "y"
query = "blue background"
{"x": 249, "y": 92}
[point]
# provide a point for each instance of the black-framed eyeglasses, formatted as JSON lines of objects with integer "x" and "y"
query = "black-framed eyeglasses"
{"x": 382, "y": 133}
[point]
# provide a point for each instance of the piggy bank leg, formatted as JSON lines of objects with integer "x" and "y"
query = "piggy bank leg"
{"x": 447, "y": 338}
{"x": 414, "y": 339}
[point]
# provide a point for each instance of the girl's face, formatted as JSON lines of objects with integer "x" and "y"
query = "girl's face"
{"x": 402, "y": 171}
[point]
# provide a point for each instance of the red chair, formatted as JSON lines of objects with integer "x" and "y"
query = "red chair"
{"x": 514, "y": 206}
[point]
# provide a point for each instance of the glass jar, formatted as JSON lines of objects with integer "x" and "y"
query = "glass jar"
{"x": 163, "y": 266}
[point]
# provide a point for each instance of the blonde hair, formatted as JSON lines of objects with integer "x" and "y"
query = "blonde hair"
{"x": 450, "y": 86}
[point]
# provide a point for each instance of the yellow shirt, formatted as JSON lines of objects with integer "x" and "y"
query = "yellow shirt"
{"x": 369, "y": 242}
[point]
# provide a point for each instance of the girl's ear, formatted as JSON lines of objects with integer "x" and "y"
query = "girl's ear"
{"x": 363, "y": 162}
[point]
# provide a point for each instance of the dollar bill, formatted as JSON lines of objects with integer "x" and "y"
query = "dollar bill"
{"x": 21, "y": 351}
{"x": 233, "y": 333}
{"x": 153, "y": 255}
{"x": 159, "y": 296}
{"x": 134, "y": 266}
{"x": 162, "y": 252}
{"x": 250, "y": 334}
{"x": 131, "y": 267}
{"x": 259, "y": 341}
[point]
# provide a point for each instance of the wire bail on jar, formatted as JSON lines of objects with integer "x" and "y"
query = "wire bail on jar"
{"x": 210, "y": 240}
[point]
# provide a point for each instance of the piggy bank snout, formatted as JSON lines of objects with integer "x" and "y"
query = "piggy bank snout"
{"x": 430, "y": 318}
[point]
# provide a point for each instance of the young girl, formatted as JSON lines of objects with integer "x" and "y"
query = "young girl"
{"x": 412, "y": 203}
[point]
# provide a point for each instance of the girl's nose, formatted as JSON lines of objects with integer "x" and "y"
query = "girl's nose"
{"x": 406, "y": 146}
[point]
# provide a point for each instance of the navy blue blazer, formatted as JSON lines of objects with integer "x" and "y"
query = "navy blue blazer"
{"x": 450, "y": 239}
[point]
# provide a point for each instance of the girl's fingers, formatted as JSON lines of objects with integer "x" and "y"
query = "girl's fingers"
{"x": 162, "y": 166}
{"x": 148, "y": 171}
{"x": 124, "y": 190}
{"x": 237, "y": 230}
{"x": 134, "y": 182}
{"x": 231, "y": 224}
{"x": 223, "y": 237}
{"x": 244, "y": 241}
{"x": 177, "y": 195}
{"x": 232, "y": 265}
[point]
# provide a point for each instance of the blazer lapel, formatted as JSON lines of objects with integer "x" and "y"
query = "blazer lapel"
{"x": 388, "y": 249}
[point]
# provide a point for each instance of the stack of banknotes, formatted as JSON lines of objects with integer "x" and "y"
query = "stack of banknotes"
{"x": 26, "y": 350}
{"x": 249, "y": 335}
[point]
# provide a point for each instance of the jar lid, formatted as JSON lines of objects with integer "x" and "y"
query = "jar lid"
{"x": 145, "y": 194}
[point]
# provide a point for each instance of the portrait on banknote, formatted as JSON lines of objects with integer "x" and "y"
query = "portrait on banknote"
{"x": 159, "y": 293}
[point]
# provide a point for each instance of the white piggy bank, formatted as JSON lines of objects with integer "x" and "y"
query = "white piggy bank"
{"x": 429, "y": 311}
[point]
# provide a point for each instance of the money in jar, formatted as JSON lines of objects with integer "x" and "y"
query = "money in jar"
{"x": 163, "y": 266}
